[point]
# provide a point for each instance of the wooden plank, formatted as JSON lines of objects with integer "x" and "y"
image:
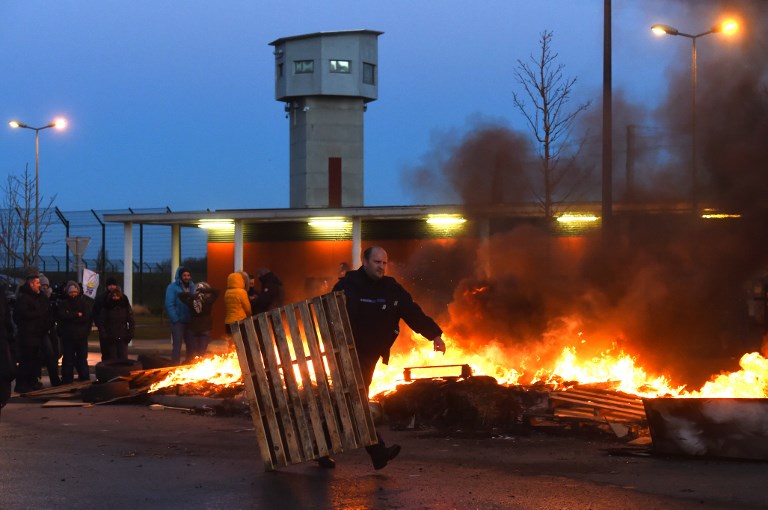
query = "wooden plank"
{"x": 594, "y": 415}
{"x": 146, "y": 377}
{"x": 248, "y": 366}
{"x": 305, "y": 447}
{"x": 603, "y": 398}
{"x": 347, "y": 433}
{"x": 66, "y": 403}
{"x": 276, "y": 449}
{"x": 321, "y": 377}
{"x": 287, "y": 431}
{"x": 57, "y": 390}
{"x": 334, "y": 304}
{"x": 601, "y": 406}
{"x": 308, "y": 395}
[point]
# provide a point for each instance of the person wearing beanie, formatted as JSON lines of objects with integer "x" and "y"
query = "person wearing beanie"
{"x": 115, "y": 324}
{"x": 271, "y": 293}
{"x": 74, "y": 315}
{"x": 105, "y": 344}
{"x": 50, "y": 346}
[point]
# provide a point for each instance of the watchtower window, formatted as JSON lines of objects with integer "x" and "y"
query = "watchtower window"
{"x": 303, "y": 66}
{"x": 369, "y": 73}
{"x": 341, "y": 66}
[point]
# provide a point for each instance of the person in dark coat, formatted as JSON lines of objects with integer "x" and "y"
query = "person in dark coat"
{"x": 7, "y": 363}
{"x": 270, "y": 295}
{"x": 74, "y": 328}
{"x": 375, "y": 304}
{"x": 114, "y": 320}
{"x": 200, "y": 304}
{"x": 32, "y": 323}
{"x": 98, "y": 303}
{"x": 51, "y": 346}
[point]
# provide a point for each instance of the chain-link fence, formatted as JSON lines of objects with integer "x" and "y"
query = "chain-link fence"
{"x": 104, "y": 254}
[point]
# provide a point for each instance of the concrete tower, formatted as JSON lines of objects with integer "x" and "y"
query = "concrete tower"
{"x": 325, "y": 80}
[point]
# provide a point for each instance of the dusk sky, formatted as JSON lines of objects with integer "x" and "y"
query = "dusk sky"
{"x": 172, "y": 103}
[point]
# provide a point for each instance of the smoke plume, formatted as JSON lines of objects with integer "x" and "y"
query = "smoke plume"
{"x": 672, "y": 288}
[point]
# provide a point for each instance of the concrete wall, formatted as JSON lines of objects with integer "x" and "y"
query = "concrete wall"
{"x": 321, "y": 128}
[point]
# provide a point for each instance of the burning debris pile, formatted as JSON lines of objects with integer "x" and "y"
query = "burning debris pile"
{"x": 216, "y": 376}
{"x": 211, "y": 384}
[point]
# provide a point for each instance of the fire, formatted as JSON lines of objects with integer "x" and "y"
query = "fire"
{"x": 221, "y": 370}
{"x": 749, "y": 382}
{"x": 620, "y": 369}
{"x": 613, "y": 367}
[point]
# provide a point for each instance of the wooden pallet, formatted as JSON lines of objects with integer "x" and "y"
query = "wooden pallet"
{"x": 303, "y": 381}
{"x": 597, "y": 405}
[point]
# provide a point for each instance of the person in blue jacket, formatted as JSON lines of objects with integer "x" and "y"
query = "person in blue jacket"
{"x": 179, "y": 313}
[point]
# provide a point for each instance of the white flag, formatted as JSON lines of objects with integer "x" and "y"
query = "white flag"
{"x": 90, "y": 283}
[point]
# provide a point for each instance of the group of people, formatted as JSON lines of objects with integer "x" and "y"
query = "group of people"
{"x": 189, "y": 305}
{"x": 44, "y": 325}
{"x": 376, "y": 304}
{"x": 243, "y": 298}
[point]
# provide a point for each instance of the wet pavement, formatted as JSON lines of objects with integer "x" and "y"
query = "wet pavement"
{"x": 130, "y": 456}
{"x": 133, "y": 456}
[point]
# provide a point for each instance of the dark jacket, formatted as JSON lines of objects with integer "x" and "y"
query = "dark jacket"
{"x": 7, "y": 365}
{"x": 375, "y": 308}
{"x": 74, "y": 317}
{"x": 114, "y": 318}
{"x": 271, "y": 294}
{"x": 31, "y": 315}
{"x": 201, "y": 321}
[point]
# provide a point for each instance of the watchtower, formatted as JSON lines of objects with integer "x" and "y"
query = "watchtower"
{"x": 326, "y": 79}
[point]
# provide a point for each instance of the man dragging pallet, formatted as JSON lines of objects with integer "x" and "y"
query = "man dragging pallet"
{"x": 375, "y": 304}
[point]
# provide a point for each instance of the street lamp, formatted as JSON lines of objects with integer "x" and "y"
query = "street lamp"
{"x": 58, "y": 124}
{"x": 725, "y": 27}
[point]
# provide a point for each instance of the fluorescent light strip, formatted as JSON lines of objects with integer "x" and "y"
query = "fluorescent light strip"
{"x": 577, "y": 218}
{"x": 445, "y": 220}
{"x": 217, "y": 224}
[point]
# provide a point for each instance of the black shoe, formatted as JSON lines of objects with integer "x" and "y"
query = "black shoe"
{"x": 381, "y": 456}
{"x": 326, "y": 462}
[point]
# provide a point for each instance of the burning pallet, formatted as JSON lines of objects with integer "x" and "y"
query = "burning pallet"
{"x": 622, "y": 412}
{"x": 303, "y": 381}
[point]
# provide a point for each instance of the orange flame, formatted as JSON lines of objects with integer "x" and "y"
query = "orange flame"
{"x": 220, "y": 370}
{"x": 619, "y": 369}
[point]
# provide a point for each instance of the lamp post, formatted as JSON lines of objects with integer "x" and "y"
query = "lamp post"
{"x": 59, "y": 124}
{"x": 726, "y": 27}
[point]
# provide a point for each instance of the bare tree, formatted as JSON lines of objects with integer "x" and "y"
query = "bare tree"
{"x": 17, "y": 221}
{"x": 550, "y": 122}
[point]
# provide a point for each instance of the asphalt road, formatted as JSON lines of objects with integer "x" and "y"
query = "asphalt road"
{"x": 129, "y": 456}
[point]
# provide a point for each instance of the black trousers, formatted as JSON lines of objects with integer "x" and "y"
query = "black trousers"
{"x": 367, "y": 368}
{"x": 30, "y": 361}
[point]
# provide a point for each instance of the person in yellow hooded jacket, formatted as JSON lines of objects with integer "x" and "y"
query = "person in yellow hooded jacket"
{"x": 236, "y": 304}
